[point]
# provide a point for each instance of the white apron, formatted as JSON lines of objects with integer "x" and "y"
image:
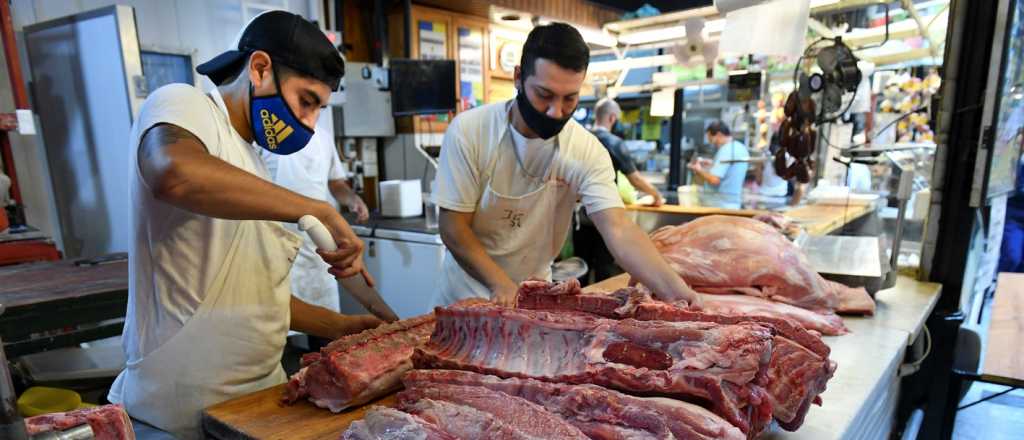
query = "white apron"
{"x": 310, "y": 280}
{"x": 523, "y": 234}
{"x": 231, "y": 346}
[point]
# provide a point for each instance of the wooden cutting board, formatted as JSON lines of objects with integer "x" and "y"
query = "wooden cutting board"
{"x": 261, "y": 415}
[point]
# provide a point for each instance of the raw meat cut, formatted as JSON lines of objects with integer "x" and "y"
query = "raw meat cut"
{"x": 796, "y": 378}
{"x": 852, "y": 300}
{"x": 358, "y": 368}
{"x": 598, "y": 412}
{"x": 466, "y": 422}
{"x": 826, "y": 323}
{"x": 720, "y": 253}
{"x": 797, "y": 373}
{"x": 721, "y": 365}
{"x": 381, "y": 423}
{"x": 782, "y": 224}
{"x": 637, "y": 303}
{"x": 108, "y": 422}
{"x": 517, "y": 413}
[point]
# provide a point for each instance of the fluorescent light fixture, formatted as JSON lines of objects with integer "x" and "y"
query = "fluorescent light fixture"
{"x": 597, "y": 37}
{"x": 676, "y": 32}
{"x": 653, "y": 35}
{"x": 820, "y": 3}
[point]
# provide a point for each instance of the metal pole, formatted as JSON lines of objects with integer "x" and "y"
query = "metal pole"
{"x": 676, "y": 150}
{"x": 17, "y": 89}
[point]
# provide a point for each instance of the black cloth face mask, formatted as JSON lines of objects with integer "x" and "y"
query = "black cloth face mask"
{"x": 545, "y": 126}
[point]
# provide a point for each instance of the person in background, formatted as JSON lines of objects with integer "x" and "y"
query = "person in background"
{"x": 511, "y": 173}
{"x": 209, "y": 302}
{"x": 723, "y": 181}
{"x": 315, "y": 172}
{"x": 1011, "y": 252}
{"x": 606, "y": 114}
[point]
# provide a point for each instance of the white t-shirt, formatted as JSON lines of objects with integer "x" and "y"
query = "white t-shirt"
{"x": 474, "y": 135}
{"x": 177, "y": 254}
{"x": 771, "y": 183}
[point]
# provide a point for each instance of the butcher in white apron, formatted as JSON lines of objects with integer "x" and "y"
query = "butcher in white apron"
{"x": 512, "y": 172}
{"x": 209, "y": 298}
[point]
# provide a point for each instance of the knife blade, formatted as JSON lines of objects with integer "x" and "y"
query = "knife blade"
{"x": 357, "y": 286}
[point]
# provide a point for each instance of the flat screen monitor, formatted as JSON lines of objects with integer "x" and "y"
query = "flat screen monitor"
{"x": 421, "y": 87}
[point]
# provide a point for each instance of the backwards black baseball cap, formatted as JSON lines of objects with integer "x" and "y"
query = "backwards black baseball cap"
{"x": 290, "y": 40}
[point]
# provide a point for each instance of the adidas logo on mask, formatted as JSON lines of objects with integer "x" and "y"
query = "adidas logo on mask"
{"x": 275, "y": 130}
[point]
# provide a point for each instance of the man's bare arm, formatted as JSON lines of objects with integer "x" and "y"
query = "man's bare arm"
{"x": 179, "y": 170}
{"x": 318, "y": 321}
{"x": 349, "y": 199}
{"x": 471, "y": 255}
{"x": 636, "y": 254}
{"x": 645, "y": 187}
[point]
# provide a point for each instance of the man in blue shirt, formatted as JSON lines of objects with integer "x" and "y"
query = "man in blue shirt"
{"x": 723, "y": 182}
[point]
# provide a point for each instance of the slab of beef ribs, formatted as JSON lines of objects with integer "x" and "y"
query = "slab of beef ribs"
{"x": 598, "y": 412}
{"x": 725, "y": 309}
{"x": 108, "y": 422}
{"x": 721, "y": 365}
{"x": 729, "y": 254}
{"x": 797, "y": 373}
{"x": 359, "y": 368}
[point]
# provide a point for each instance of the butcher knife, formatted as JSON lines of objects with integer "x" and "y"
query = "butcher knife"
{"x": 356, "y": 285}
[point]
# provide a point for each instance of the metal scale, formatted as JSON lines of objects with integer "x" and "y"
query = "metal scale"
{"x": 861, "y": 261}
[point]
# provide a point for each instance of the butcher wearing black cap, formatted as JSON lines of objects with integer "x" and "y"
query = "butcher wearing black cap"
{"x": 210, "y": 303}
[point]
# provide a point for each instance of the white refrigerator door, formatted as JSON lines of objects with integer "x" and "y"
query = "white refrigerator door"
{"x": 85, "y": 75}
{"x": 407, "y": 274}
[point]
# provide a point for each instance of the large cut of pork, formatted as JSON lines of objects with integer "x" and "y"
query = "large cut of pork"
{"x": 359, "y": 368}
{"x": 382, "y": 423}
{"x": 729, "y": 254}
{"x": 716, "y": 308}
{"x": 797, "y": 373}
{"x": 597, "y": 412}
{"x": 722, "y": 366}
{"x": 512, "y": 414}
{"x": 108, "y": 422}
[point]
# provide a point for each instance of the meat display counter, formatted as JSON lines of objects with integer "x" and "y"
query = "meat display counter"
{"x": 816, "y": 219}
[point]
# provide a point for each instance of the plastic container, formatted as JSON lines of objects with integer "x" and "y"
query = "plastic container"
{"x": 431, "y": 210}
{"x": 45, "y": 400}
{"x": 401, "y": 198}
{"x": 688, "y": 195}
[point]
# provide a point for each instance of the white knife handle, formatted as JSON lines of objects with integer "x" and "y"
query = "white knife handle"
{"x": 318, "y": 232}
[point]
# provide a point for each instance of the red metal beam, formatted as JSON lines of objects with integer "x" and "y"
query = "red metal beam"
{"x": 17, "y": 89}
{"x": 11, "y": 54}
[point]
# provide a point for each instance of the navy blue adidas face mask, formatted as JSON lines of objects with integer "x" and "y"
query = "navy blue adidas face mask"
{"x": 274, "y": 125}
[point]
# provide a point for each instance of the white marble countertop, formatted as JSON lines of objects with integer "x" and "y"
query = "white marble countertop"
{"x": 858, "y": 397}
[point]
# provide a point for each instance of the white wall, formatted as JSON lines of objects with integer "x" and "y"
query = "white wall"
{"x": 203, "y": 28}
